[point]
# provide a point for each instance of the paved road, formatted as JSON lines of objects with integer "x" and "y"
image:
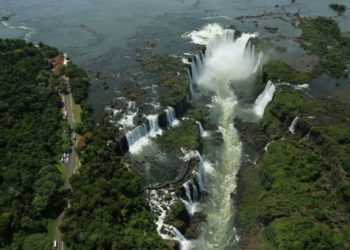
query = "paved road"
{"x": 67, "y": 100}
{"x": 58, "y": 236}
{"x": 73, "y": 158}
{"x": 70, "y": 165}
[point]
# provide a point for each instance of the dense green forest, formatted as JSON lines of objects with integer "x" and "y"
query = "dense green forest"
{"x": 300, "y": 182}
{"x": 31, "y": 187}
{"x": 78, "y": 82}
{"x": 108, "y": 209}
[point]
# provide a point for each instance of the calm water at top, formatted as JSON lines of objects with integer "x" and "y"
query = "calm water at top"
{"x": 103, "y": 34}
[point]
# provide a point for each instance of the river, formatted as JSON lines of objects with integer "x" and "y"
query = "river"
{"x": 106, "y": 35}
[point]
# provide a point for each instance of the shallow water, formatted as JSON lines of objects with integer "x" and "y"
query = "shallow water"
{"x": 103, "y": 35}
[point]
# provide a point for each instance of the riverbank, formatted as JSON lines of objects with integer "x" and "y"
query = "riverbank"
{"x": 298, "y": 178}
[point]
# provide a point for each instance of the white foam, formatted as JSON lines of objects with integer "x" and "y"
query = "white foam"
{"x": 202, "y": 132}
{"x": 185, "y": 60}
{"x": 160, "y": 207}
{"x": 205, "y": 34}
{"x": 292, "y": 126}
{"x": 217, "y": 17}
{"x": 154, "y": 126}
{"x": 65, "y": 61}
{"x": 171, "y": 117}
{"x": 264, "y": 98}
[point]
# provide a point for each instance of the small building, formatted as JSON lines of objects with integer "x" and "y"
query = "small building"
{"x": 82, "y": 143}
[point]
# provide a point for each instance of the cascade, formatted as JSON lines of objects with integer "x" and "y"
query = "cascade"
{"x": 187, "y": 191}
{"x": 195, "y": 192}
{"x": 160, "y": 208}
{"x": 307, "y": 136}
{"x": 226, "y": 60}
{"x": 136, "y": 134}
{"x": 264, "y": 98}
{"x": 292, "y": 126}
{"x": 171, "y": 117}
{"x": 154, "y": 125}
{"x": 127, "y": 121}
{"x": 192, "y": 198}
{"x": 267, "y": 146}
{"x": 200, "y": 174}
{"x": 191, "y": 93}
{"x": 203, "y": 133}
{"x": 138, "y": 137}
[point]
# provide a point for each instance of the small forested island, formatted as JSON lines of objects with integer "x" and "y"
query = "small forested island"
{"x": 222, "y": 147}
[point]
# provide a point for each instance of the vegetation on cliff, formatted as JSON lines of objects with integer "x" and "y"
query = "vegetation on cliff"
{"x": 185, "y": 135}
{"x": 322, "y": 36}
{"x": 108, "y": 209}
{"x": 31, "y": 186}
{"x": 78, "y": 81}
{"x": 276, "y": 70}
{"x": 301, "y": 184}
{"x": 172, "y": 78}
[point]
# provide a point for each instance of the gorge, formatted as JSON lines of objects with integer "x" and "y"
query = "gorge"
{"x": 197, "y": 125}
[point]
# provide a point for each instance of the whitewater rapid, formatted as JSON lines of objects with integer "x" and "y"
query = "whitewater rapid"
{"x": 228, "y": 59}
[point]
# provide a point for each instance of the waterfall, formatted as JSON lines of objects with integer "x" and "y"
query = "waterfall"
{"x": 139, "y": 136}
{"x": 200, "y": 174}
{"x": 160, "y": 207}
{"x": 202, "y": 132}
{"x": 196, "y": 68}
{"x": 134, "y": 137}
{"x": 171, "y": 117}
{"x": 292, "y": 126}
{"x": 154, "y": 125}
{"x": 307, "y": 136}
{"x": 267, "y": 146}
{"x": 264, "y": 98}
{"x": 191, "y": 93}
{"x": 191, "y": 203}
{"x": 187, "y": 191}
{"x": 195, "y": 192}
{"x": 228, "y": 59}
{"x": 127, "y": 121}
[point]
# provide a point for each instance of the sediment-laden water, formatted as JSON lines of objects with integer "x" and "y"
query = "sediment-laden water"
{"x": 107, "y": 42}
{"x": 229, "y": 58}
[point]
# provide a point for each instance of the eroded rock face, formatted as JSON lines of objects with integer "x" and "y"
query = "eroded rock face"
{"x": 178, "y": 217}
{"x": 192, "y": 231}
{"x": 249, "y": 132}
{"x": 121, "y": 144}
{"x": 172, "y": 244}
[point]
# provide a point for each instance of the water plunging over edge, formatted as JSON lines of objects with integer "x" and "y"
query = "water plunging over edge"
{"x": 228, "y": 58}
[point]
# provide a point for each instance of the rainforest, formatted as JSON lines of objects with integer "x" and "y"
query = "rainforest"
{"x": 174, "y": 124}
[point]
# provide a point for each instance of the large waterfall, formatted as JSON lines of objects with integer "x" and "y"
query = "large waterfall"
{"x": 227, "y": 59}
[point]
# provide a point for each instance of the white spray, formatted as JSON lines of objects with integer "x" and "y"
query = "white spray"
{"x": 227, "y": 59}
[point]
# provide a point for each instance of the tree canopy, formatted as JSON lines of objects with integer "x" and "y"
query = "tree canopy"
{"x": 31, "y": 187}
